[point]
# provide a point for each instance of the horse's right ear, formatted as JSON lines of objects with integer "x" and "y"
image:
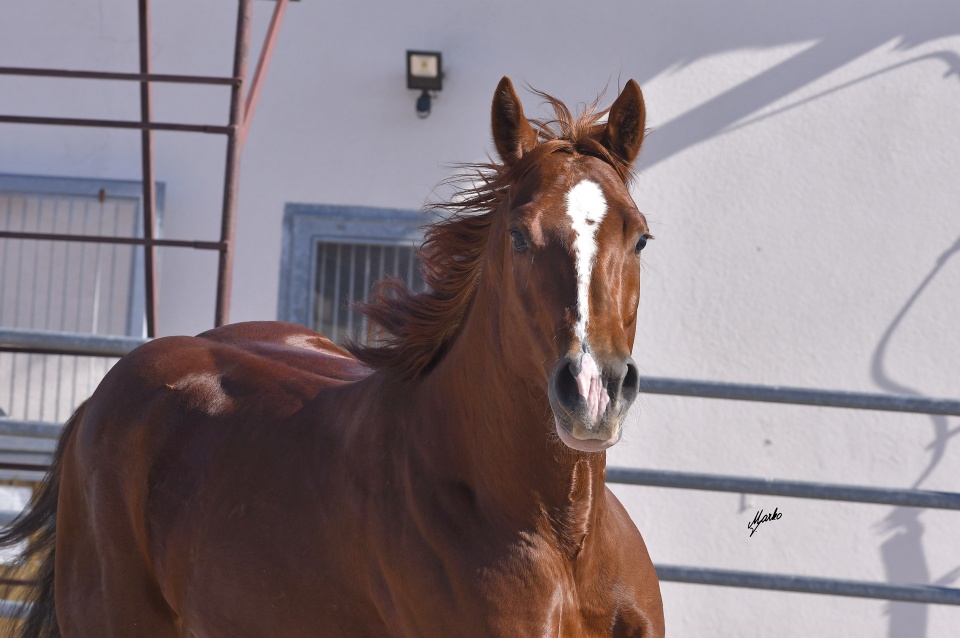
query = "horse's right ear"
{"x": 512, "y": 134}
{"x": 624, "y": 131}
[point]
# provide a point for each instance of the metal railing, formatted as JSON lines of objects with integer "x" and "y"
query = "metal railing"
{"x": 799, "y": 489}
{"x": 45, "y": 375}
{"x": 115, "y": 347}
{"x": 51, "y": 342}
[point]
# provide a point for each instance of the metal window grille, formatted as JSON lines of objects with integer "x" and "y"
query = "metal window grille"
{"x": 79, "y": 288}
{"x": 332, "y": 257}
{"x": 347, "y": 272}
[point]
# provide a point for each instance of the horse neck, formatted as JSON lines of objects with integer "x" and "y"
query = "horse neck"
{"x": 497, "y": 429}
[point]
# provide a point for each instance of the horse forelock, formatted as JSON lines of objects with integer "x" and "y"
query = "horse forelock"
{"x": 411, "y": 331}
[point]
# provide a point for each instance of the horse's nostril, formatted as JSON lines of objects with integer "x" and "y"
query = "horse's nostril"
{"x": 631, "y": 382}
{"x": 624, "y": 383}
{"x": 565, "y": 384}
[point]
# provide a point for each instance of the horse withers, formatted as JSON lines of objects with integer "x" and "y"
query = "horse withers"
{"x": 445, "y": 479}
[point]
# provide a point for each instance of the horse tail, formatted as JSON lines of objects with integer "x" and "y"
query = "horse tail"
{"x": 37, "y": 526}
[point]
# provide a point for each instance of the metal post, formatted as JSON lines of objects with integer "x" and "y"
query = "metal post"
{"x": 232, "y": 173}
{"x": 266, "y": 53}
{"x": 149, "y": 190}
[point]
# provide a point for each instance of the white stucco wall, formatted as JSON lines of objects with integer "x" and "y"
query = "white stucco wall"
{"x": 802, "y": 180}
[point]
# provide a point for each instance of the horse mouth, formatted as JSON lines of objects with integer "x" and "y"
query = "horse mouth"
{"x": 592, "y": 441}
{"x": 582, "y": 431}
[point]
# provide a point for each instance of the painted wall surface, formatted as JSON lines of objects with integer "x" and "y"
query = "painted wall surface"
{"x": 802, "y": 179}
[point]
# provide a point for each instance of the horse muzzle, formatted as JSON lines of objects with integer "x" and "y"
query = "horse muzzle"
{"x": 590, "y": 402}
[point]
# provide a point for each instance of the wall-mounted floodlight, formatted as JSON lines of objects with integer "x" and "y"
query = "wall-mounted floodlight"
{"x": 424, "y": 73}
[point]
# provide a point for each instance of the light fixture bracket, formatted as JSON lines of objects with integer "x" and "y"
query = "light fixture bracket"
{"x": 424, "y": 74}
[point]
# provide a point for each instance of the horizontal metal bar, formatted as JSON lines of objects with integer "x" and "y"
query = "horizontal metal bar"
{"x": 108, "y": 239}
{"x": 23, "y": 477}
{"x": 109, "y": 75}
{"x": 24, "y": 467}
{"x": 43, "y": 341}
{"x": 750, "y": 580}
{"x": 26, "y": 462}
{"x": 17, "y": 582}
{"x": 122, "y": 124}
{"x": 14, "y": 609}
{"x": 796, "y": 489}
{"x": 47, "y": 350}
{"x": 799, "y": 396}
{"x": 32, "y": 429}
{"x": 809, "y": 585}
{"x": 16, "y": 448}
{"x": 7, "y": 517}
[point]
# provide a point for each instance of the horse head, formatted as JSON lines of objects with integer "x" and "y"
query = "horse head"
{"x": 566, "y": 242}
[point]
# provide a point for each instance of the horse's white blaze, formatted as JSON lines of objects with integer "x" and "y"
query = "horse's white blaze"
{"x": 586, "y": 207}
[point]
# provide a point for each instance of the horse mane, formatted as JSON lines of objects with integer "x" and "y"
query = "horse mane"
{"x": 411, "y": 331}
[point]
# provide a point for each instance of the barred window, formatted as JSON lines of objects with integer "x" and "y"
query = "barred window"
{"x": 58, "y": 286}
{"x": 333, "y": 255}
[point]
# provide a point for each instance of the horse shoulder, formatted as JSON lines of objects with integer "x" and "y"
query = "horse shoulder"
{"x": 639, "y": 610}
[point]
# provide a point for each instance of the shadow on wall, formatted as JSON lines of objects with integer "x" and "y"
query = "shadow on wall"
{"x": 841, "y": 32}
{"x": 903, "y": 556}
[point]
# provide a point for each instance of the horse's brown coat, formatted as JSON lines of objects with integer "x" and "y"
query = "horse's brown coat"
{"x": 257, "y": 480}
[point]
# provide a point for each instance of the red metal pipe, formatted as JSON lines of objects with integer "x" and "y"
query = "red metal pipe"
{"x": 122, "y": 124}
{"x": 108, "y": 239}
{"x": 266, "y": 53}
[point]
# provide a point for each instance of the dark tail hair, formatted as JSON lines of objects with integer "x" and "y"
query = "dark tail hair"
{"x": 37, "y": 525}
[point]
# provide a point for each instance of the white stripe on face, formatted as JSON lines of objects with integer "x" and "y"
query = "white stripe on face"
{"x": 586, "y": 207}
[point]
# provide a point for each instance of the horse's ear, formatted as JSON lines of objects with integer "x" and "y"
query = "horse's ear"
{"x": 512, "y": 134}
{"x": 628, "y": 115}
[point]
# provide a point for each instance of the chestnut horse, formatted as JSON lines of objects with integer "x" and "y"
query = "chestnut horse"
{"x": 446, "y": 479}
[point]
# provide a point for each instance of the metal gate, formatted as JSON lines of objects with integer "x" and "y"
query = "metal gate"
{"x": 910, "y": 592}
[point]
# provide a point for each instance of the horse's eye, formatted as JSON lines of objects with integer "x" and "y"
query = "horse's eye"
{"x": 641, "y": 243}
{"x": 519, "y": 242}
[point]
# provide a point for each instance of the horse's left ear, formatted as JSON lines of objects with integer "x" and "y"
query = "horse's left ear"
{"x": 625, "y": 123}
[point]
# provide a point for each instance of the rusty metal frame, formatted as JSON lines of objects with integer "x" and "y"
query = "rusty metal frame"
{"x": 242, "y": 105}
